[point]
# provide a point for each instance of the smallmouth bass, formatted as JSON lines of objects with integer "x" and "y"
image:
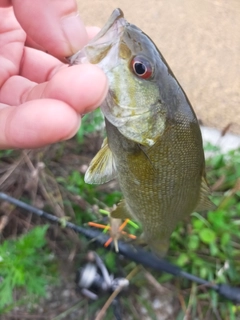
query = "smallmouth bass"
{"x": 154, "y": 144}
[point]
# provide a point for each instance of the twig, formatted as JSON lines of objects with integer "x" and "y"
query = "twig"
{"x": 114, "y": 294}
{"x": 182, "y": 302}
{"x": 161, "y": 290}
{"x": 11, "y": 169}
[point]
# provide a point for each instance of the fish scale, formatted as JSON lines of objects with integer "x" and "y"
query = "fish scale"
{"x": 154, "y": 144}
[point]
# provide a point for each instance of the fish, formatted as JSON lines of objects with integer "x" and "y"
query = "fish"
{"x": 154, "y": 145}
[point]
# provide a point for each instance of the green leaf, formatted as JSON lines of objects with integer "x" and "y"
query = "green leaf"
{"x": 183, "y": 259}
{"x": 225, "y": 239}
{"x": 193, "y": 242}
{"x": 207, "y": 235}
{"x": 213, "y": 248}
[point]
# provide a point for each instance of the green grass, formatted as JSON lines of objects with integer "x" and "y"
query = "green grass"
{"x": 26, "y": 264}
{"x": 210, "y": 242}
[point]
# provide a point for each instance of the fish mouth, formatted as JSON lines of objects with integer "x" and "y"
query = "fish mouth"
{"x": 114, "y": 23}
{"x": 104, "y": 45}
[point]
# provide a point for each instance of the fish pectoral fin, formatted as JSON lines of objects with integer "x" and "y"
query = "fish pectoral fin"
{"x": 121, "y": 212}
{"x": 102, "y": 167}
{"x": 204, "y": 202}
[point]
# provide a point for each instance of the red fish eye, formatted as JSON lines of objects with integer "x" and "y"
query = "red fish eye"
{"x": 142, "y": 67}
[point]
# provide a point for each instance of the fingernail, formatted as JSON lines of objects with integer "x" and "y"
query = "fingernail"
{"x": 75, "y": 32}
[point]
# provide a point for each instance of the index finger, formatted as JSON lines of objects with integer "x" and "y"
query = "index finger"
{"x": 39, "y": 66}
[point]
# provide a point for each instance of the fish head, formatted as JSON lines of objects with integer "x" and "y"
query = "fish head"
{"x": 132, "y": 64}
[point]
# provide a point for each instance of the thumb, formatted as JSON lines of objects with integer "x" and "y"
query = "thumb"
{"x": 53, "y": 25}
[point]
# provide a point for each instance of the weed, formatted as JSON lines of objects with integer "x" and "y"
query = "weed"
{"x": 24, "y": 263}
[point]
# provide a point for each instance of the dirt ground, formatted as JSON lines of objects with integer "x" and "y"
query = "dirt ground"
{"x": 200, "y": 39}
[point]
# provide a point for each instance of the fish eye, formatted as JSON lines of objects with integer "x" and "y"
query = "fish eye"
{"x": 142, "y": 67}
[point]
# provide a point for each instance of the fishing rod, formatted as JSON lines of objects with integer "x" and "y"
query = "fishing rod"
{"x": 134, "y": 253}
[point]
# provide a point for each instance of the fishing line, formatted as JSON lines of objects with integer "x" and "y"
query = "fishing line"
{"x": 134, "y": 253}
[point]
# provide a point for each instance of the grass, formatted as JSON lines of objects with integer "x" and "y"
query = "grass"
{"x": 210, "y": 243}
{"x": 26, "y": 264}
{"x": 207, "y": 246}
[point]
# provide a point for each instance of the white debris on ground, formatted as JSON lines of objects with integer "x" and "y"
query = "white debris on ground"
{"x": 226, "y": 143}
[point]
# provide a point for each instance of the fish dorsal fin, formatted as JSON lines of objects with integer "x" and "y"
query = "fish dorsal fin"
{"x": 121, "y": 212}
{"x": 204, "y": 202}
{"x": 102, "y": 167}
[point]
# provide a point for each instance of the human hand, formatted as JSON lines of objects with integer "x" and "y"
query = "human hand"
{"x": 41, "y": 99}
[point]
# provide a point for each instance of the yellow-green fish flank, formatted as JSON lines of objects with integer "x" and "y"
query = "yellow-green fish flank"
{"x": 154, "y": 144}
